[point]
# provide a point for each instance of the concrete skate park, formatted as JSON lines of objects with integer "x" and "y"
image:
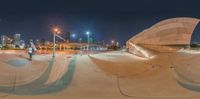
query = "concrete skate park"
{"x": 157, "y": 64}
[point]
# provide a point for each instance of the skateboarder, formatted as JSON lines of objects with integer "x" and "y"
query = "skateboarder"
{"x": 30, "y": 52}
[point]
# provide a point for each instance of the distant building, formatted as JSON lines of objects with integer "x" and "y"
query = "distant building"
{"x": 17, "y": 39}
{"x": 48, "y": 43}
{"x": 38, "y": 43}
{"x": 5, "y": 40}
{"x": 42, "y": 41}
{"x": 67, "y": 36}
{"x": 22, "y": 44}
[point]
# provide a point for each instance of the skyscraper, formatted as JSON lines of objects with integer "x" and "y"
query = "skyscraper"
{"x": 17, "y": 39}
{"x": 67, "y": 36}
{"x": 5, "y": 40}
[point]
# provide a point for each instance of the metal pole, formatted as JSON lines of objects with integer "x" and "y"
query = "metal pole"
{"x": 54, "y": 38}
{"x": 88, "y": 41}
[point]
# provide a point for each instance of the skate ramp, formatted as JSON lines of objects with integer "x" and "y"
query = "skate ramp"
{"x": 19, "y": 71}
{"x": 152, "y": 78}
{"x": 187, "y": 70}
{"x": 54, "y": 78}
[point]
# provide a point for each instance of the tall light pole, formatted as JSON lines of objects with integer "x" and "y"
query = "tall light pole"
{"x": 88, "y": 39}
{"x": 55, "y": 30}
{"x": 73, "y": 36}
{"x": 112, "y": 41}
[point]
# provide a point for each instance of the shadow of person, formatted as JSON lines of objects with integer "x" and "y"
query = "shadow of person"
{"x": 24, "y": 57}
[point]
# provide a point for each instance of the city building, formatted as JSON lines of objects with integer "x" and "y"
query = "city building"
{"x": 68, "y": 36}
{"x": 5, "y": 40}
{"x": 42, "y": 41}
{"x": 22, "y": 44}
{"x": 47, "y": 43}
{"x": 38, "y": 42}
{"x": 17, "y": 39}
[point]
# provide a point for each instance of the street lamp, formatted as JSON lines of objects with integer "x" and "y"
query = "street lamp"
{"x": 112, "y": 42}
{"x": 55, "y": 31}
{"x": 88, "y": 39}
{"x": 73, "y": 36}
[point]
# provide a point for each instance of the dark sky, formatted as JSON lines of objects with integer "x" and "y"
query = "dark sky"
{"x": 106, "y": 19}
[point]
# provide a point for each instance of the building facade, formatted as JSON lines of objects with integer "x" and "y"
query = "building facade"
{"x": 5, "y": 40}
{"x": 17, "y": 39}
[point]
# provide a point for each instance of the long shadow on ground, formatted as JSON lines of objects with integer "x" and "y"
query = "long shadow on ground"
{"x": 186, "y": 82}
{"x": 189, "y": 86}
{"x": 38, "y": 86}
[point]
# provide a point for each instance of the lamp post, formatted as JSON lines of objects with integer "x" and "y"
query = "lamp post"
{"x": 55, "y": 30}
{"x": 112, "y": 42}
{"x": 88, "y": 39}
{"x": 73, "y": 36}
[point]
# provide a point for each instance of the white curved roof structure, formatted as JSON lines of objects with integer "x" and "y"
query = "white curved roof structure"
{"x": 173, "y": 31}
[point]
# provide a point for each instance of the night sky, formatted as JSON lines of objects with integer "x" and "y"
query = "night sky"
{"x": 106, "y": 19}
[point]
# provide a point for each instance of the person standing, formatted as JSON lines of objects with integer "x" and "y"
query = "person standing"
{"x": 30, "y": 52}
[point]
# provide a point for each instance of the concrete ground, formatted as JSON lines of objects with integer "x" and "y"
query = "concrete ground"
{"x": 109, "y": 75}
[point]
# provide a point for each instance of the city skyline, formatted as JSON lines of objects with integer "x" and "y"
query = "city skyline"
{"x": 107, "y": 20}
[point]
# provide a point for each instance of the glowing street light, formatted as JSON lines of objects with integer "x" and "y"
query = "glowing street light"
{"x": 88, "y": 39}
{"x": 55, "y": 31}
{"x": 88, "y": 33}
{"x": 73, "y": 35}
{"x": 112, "y": 41}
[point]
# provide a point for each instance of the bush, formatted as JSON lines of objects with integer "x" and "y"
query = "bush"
{"x": 194, "y": 45}
{"x": 113, "y": 47}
